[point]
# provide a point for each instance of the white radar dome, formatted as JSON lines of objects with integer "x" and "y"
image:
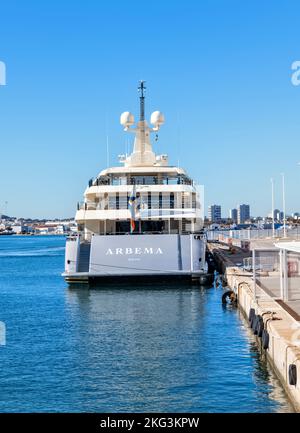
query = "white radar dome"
{"x": 126, "y": 119}
{"x": 157, "y": 118}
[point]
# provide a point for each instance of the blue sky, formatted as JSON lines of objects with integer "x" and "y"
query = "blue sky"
{"x": 220, "y": 70}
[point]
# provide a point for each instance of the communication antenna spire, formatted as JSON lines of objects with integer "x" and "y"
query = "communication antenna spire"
{"x": 142, "y": 88}
{"x": 107, "y": 151}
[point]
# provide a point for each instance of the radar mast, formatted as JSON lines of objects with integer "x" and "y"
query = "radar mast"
{"x": 141, "y": 89}
{"x": 142, "y": 154}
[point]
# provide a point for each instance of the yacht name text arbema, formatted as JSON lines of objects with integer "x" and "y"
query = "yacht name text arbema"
{"x": 141, "y": 220}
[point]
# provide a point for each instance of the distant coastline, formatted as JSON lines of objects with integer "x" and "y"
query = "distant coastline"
{"x": 31, "y": 234}
{"x": 28, "y": 226}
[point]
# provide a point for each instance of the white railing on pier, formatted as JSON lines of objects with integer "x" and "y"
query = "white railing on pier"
{"x": 248, "y": 234}
{"x": 277, "y": 272}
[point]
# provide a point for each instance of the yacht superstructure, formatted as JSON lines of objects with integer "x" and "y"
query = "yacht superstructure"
{"x": 142, "y": 219}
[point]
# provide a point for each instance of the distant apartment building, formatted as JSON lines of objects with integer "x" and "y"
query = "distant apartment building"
{"x": 243, "y": 213}
{"x": 19, "y": 228}
{"x": 233, "y": 215}
{"x": 214, "y": 213}
{"x": 276, "y": 214}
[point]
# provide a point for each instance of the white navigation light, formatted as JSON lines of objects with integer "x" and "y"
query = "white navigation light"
{"x": 157, "y": 119}
{"x": 127, "y": 119}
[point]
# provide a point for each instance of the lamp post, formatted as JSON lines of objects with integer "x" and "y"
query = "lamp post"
{"x": 273, "y": 225}
{"x": 283, "y": 205}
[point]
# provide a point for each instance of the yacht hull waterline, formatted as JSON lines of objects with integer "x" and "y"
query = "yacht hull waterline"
{"x": 142, "y": 221}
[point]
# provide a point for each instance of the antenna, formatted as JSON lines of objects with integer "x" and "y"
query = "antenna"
{"x": 107, "y": 142}
{"x": 273, "y": 225}
{"x": 107, "y": 151}
{"x": 178, "y": 138}
{"x": 141, "y": 89}
{"x": 283, "y": 205}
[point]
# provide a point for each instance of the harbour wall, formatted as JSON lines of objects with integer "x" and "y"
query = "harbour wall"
{"x": 283, "y": 329}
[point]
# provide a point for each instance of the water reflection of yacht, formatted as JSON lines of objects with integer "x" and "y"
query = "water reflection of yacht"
{"x": 143, "y": 219}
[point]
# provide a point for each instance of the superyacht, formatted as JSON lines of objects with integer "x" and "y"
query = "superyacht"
{"x": 140, "y": 220}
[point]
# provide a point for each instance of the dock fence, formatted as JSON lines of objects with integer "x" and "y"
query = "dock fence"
{"x": 277, "y": 272}
{"x": 248, "y": 234}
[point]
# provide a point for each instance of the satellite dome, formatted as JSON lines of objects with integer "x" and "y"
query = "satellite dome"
{"x": 126, "y": 119}
{"x": 157, "y": 118}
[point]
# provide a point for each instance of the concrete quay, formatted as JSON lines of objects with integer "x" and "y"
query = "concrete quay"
{"x": 280, "y": 322}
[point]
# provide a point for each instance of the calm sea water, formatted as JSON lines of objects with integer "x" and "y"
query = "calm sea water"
{"x": 121, "y": 349}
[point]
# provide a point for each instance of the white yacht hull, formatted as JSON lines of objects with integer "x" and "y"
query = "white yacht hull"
{"x": 135, "y": 256}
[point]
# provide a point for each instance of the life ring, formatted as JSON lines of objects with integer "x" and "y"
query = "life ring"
{"x": 229, "y": 294}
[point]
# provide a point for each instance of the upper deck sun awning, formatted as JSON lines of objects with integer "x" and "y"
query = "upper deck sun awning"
{"x": 289, "y": 246}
